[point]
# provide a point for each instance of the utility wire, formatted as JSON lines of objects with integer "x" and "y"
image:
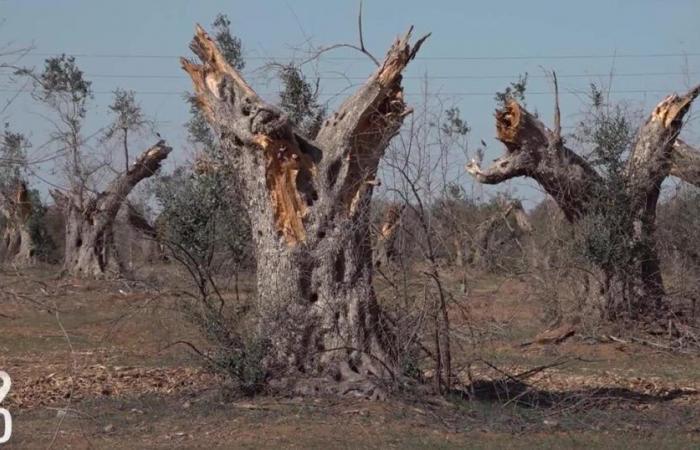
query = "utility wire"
{"x": 464, "y": 94}
{"x": 429, "y": 77}
{"x": 362, "y": 58}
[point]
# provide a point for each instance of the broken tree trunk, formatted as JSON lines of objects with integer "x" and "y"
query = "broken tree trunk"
{"x": 633, "y": 289}
{"x": 136, "y": 220}
{"x": 17, "y": 246}
{"x": 386, "y": 237}
{"x": 89, "y": 245}
{"x": 482, "y": 244}
{"x": 648, "y": 166}
{"x": 308, "y": 203}
{"x": 685, "y": 163}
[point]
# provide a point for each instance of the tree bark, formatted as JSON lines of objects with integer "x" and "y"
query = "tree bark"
{"x": 308, "y": 202}
{"x": 685, "y": 163}
{"x": 648, "y": 166}
{"x": 17, "y": 246}
{"x": 89, "y": 245}
{"x": 156, "y": 249}
{"x": 485, "y": 231}
{"x": 532, "y": 150}
{"x": 386, "y": 237}
{"x": 635, "y": 290}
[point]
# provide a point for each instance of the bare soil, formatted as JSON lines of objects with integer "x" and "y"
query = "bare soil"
{"x": 93, "y": 365}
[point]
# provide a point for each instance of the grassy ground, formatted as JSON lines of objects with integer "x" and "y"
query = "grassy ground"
{"x": 92, "y": 367}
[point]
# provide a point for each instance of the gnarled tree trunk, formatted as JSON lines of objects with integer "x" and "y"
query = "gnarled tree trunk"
{"x": 89, "y": 246}
{"x": 482, "y": 244}
{"x": 156, "y": 249}
{"x": 386, "y": 237}
{"x": 308, "y": 203}
{"x": 17, "y": 246}
{"x": 685, "y": 163}
{"x": 633, "y": 289}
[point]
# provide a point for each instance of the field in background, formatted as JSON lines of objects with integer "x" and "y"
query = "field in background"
{"x": 94, "y": 366}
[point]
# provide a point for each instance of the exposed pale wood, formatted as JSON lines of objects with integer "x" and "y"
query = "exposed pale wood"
{"x": 535, "y": 151}
{"x": 532, "y": 150}
{"x": 308, "y": 203}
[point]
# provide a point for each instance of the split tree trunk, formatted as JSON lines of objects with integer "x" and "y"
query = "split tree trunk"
{"x": 308, "y": 202}
{"x": 634, "y": 290}
{"x": 89, "y": 246}
{"x": 17, "y": 246}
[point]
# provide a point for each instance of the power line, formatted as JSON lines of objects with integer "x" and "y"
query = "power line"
{"x": 430, "y": 77}
{"x": 361, "y": 58}
{"x": 463, "y": 94}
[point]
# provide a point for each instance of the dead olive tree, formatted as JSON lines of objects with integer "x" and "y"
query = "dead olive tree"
{"x": 631, "y": 284}
{"x": 17, "y": 246}
{"x": 89, "y": 211}
{"x": 387, "y": 234}
{"x": 89, "y": 246}
{"x": 308, "y": 203}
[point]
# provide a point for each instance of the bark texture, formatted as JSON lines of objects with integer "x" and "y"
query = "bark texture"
{"x": 484, "y": 238}
{"x": 532, "y": 150}
{"x": 635, "y": 290}
{"x": 385, "y": 245}
{"x": 308, "y": 203}
{"x": 89, "y": 219}
{"x": 685, "y": 163}
{"x": 17, "y": 246}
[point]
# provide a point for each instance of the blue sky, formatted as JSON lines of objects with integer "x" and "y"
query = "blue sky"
{"x": 464, "y": 58}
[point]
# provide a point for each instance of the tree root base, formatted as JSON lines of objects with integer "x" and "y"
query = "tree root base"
{"x": 375, "y": 390}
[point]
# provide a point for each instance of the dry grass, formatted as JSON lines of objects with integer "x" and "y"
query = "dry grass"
{"x": 92, "y": 368}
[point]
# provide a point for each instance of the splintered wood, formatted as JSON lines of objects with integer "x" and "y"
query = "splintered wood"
{"x": 508, "y": 122}
{"x": 284, "y": 160}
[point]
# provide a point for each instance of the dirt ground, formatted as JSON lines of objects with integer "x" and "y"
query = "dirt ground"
{"x": 93, "y": 365}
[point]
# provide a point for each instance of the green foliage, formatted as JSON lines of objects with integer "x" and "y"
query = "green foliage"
{"x": 205, "y": 228}
{"x": 454, "y": 125}
{"x": 230, "y": 45}
{"x": 608, "y": 131}
{"x": 604, "y": 234}
{"x": 13, "y": 157}
{"x": 44, "y": 247}
{"x": 515, "y": 91}
{"x": 199, "y": 218}
{"x": 128, "y": 114}
{"x": 244, "y": 364}
{"x": 235, "y": 354}
{"x": 62, "y": 77}
{"x": 198, "y": 129}
{"x": 300, "y": 101}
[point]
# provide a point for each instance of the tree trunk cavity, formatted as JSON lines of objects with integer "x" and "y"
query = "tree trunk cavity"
{"x": 308, "y": 203}
{"x": 89, "y": 243}
{"x": 633, "y": 289}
